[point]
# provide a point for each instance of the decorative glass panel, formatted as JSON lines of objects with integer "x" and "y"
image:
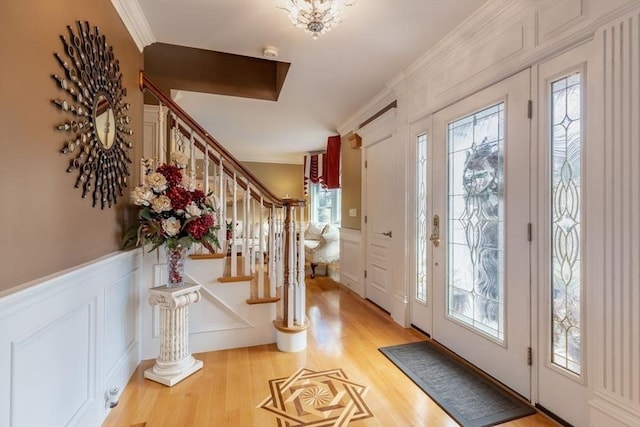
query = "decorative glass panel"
{"x": 422, "y": 221}
{"x": 566, "y": 144}
{"x": 475, "y": 221}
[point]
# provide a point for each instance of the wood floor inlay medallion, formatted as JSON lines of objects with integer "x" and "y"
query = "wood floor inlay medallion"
{"x": 319, "y": 399}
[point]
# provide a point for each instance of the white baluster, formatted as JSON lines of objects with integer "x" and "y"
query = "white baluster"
{"x": 261, "y": 253}
{"x": 245, "y": 232}
{"x": 192, "y": 161}
{"x": 206, "y": 170}
{"x": 160, "y": 148}
{"x": 222, "y": 204}
{"x": 234, "y": 255}
{"x": 272, "y": 252}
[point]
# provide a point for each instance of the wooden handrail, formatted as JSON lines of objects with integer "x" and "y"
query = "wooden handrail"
{"x": 146, "y": 84}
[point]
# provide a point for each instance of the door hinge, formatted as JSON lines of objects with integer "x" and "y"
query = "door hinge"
{"x": 529, "y": 232}
{"x": 365, "y": 219}
{"x": 529, "y": 356}
{"x": 365, "y": 274}
{"x": 529, "y": 109}
{"x": 365, "y": 164}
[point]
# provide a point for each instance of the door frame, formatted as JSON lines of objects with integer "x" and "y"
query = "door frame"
{"x": 422, "y": 126}
{"x": 383, "y": 127}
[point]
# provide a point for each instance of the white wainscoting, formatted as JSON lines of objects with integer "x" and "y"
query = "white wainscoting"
{"x": 351, "y": 265}
{"x": 66, "y": 340}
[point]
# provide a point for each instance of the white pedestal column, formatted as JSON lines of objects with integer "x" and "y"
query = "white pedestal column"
{"x": 174, "y": 363}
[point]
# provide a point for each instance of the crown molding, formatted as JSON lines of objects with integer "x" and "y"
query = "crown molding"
{"x": 133, "y": 18}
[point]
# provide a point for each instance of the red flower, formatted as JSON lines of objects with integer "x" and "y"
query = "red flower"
{"x": 199, "y": 227}
{"x": 197, "y": 196}
{"x": 172, "y": 173}
{"x": 180, "y": 197}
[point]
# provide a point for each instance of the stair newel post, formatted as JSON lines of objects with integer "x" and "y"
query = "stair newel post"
{"x": 289, "y": 264}
{"x": 301, "y": 284}
{"x": 261, "y": 251}
{"x": 291, "y": 327}
{"x": 234, "y": 219}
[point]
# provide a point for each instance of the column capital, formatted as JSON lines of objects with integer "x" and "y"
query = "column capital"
{"x": 174, "y": 297}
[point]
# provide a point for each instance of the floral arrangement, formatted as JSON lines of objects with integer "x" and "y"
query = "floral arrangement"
{"x": 172, "y": 214}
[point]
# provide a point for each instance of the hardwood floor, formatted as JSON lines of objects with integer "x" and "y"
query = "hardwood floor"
{"x": 345, "y": 333}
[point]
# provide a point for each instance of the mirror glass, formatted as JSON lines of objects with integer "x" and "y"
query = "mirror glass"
{"x": 104, "y": 121}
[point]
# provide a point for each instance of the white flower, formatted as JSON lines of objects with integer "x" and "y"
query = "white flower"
{"x": 142, "y": 196}
{"x": 187, "y": 182}
{"x": 171, "y": 226}
{"x": 193, "y": 210}
{"x": 157, "y": 181}
{"x": 161, "y": 204}
{"x": 180, "y": 159}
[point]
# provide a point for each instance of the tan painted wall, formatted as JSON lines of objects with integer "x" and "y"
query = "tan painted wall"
{"x": 282, "y": 179}
{"x": 351, "y": 185}
{"x": 45, "y": 225}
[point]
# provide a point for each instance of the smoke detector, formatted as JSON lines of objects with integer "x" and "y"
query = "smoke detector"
{"x": 270, "y": 52}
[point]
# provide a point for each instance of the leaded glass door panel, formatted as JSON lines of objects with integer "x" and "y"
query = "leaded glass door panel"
{"x": 481, "y": 191}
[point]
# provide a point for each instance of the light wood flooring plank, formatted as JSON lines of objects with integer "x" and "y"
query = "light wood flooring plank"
{"x": 345, "y": 333}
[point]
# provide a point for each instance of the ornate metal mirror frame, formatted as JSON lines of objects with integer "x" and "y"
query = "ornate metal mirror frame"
{"x": 97, "y": 126}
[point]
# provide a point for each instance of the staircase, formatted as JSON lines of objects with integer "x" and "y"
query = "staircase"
{"x": 253, "y": 289}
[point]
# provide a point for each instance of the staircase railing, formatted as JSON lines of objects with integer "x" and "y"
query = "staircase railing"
{"x": 256, "y": 225}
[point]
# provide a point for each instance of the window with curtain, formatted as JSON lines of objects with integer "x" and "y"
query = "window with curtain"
{"x": 325, "y": 204}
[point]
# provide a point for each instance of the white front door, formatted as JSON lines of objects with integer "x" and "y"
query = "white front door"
{"x": 481, "y": 193}
{"x": 378, "y": 223}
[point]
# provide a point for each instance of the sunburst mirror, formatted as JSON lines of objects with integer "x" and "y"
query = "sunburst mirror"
{"x": 97, "y": 123}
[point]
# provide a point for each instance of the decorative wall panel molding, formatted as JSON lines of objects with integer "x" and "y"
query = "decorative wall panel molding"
{"x": 66, "y": 340}
{"x": 351, "y": 266}
{"x": 616, "y": 231}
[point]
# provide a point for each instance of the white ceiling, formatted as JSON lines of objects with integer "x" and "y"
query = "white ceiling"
{"x": 329, "y": 79}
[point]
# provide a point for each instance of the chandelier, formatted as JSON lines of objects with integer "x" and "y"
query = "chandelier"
{"x": 316, "y": 17}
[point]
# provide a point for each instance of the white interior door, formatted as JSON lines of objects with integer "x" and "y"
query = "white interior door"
{"x": 378, "y": 224}
{"x": 559, "y": 239}
{"x": 481, "y": 193}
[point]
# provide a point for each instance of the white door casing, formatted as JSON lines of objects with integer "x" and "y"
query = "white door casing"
{"x": 504, "y": 356}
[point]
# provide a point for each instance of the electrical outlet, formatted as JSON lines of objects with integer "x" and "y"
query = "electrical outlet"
{"x": 353, "y": 212}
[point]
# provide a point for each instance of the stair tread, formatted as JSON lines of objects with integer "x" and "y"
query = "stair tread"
{"x": 230, "y": 279}
{"x": 265, "y": 300}
{"x": 207, "y": 256}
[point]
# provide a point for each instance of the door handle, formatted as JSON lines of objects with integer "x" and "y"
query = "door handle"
{"x": 388, "y": 234}
{"x": 435, "y": 231}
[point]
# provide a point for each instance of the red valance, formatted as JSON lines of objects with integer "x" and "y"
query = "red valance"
{"x": 323, "y": 168}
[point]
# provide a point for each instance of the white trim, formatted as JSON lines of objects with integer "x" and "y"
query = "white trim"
{"x": 133, "y": 18}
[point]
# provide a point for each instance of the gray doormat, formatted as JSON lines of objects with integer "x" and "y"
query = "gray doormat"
{"x": 468, "y": 397}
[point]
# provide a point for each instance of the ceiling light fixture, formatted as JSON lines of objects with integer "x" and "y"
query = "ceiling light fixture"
{"x": 316, "y": 17}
